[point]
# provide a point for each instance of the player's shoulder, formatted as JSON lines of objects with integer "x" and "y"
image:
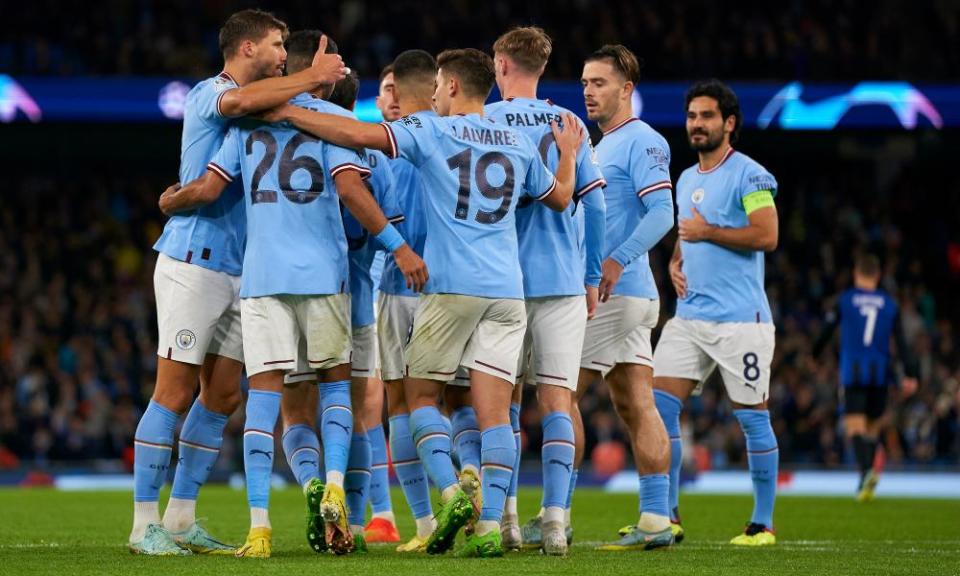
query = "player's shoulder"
{"x": 744, "y": 163}
{"x": 213, "y": 85}
{"x": 378, "y": 161}
{"x": 311, "y": 102}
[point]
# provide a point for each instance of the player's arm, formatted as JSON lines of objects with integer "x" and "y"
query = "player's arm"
{"x": 364, "y": 208}
{"x": 269, "y": 92}
{"x": 651, "y": 229}
{"x": 761, "y": 234}
{"x": 568, "y": 138}
{"x": 201, "y": 191}
{"x": 595, "y": 229}
{"x": 677, "y": 277}
{"x": 336, "y": 129}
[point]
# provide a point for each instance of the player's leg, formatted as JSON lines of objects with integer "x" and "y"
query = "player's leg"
{"x": 863, "y": 410}
{"x": 199, "y": 446}
{"x": 510, "y": 532}
{"x": 190, "y": 303}
{"x": 465, "y": 434}
{"x": 382, "y": 524}
{"x": 298, "y": 409}
{"x": 492, "y": 356}
{"x": 443, "y": 325}
{"x": 679, "y": 365}
{"x": 394, "y": 325}
{"x": 744, "y": 352}
{"x": 357, "y": 480}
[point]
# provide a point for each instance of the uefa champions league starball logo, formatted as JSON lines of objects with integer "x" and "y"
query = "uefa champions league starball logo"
{"x": 172, "y": 99}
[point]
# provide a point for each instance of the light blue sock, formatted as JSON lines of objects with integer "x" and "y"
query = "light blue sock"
{"x": 200, "y": 441}
{"x": 263, "y": 408}
{"x": 497, "y": 458}
{"x": 357, "y": 484}
{"x": 670, "y": 407}
{"x": 557, "y": 458}
{"x": 433, "y": 445}
{"x": 764, "y": 459}
{"x": 515, "y": 425}
{"x": 336, "y": 425}
{"x": 409, "y": 469}
{"x": 466, "y": 436}
{"x": 572, "y": 488}
{"x": 152, "y": 446}
{"x": 302, "y": 448}
{"x": 655, "y": 494}
{"x": 380, "y": 471}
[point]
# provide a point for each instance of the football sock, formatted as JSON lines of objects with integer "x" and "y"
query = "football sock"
{"x": 515, "y": 425}
{"x": 357, "y": 485}
{"x": 152, "y": 446}
{"x": 379, "y": 473}
{"x": 263, "y": 408}
{"x": 763, "y": 457}
{"x": 433, "y": 445}
{"x": 302, "y": 449}
{"x": 336, "y": 429}
{"x": 497, "y": 457}
{"x": 200, "y": 441}
{"x": 409, "y": 469}
{"x": 654, "y": 494}
{"x": 670, "y": 407}
{"x": 557, "y": 459}
{"x": 466, "y": 437}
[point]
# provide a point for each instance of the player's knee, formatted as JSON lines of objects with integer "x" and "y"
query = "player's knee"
{"x": 174, "y": 397}
{"x": 222, "y": 401}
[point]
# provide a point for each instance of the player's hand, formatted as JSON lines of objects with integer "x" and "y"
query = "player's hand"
{"x": 165, "y": 198}
{"x": 276, "y": 114}
{"x": 412, "y": 267}
{"x": 610, "y": 273}
{"x": 570, "y": 137}
{"x": 694, "y": 229}
{"x": 908, "y": 387}
{"x": 678, "y": 278}
{"x": 327, "y": 68}
{"x": 593, "y": 296}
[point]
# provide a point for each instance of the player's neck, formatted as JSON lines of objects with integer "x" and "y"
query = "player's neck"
{"x": 710, "y": 158}
{"x": 621, "y": 116}
{"x": 520, "y": 87}
{"x": 241, "y": 74}
{"x": 867, "y": 285}
{"x": 414, "y": 106}
{"x": 471, "y": 106}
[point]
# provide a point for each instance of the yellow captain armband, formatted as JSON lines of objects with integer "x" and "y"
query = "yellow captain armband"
{"x": 757, "y": 200}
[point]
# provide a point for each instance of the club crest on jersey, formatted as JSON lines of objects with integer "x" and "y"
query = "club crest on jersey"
{"x": 697, "y": 196}
{"x": 186, "y": 340}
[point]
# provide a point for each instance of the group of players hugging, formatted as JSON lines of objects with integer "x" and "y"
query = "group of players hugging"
{"x": 515, "y": 252}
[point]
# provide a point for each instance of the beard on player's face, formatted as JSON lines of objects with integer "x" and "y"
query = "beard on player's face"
{"x": 703, "y": 139}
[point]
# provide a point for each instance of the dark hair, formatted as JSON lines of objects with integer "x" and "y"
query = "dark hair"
{"x": 388, "y": 69}
{"x": 473, "y": 68}
{"x": 251, "y": 25}
{"x": 302, "y": 45}
{"x": 622, "y": 60}
{"x": 867, "y": 265}
{"x": 345, "y": 91}
{"x": 529, "y": 47}
{"x": 726, "y": 101}
{"x": 414, "y": 65}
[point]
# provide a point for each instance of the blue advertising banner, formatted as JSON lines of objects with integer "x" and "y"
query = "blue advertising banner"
{"x": 766, "y": 106}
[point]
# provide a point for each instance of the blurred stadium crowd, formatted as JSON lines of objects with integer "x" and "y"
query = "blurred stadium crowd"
{"x": 77, "y": 316}
{"x": 800, "y": 39}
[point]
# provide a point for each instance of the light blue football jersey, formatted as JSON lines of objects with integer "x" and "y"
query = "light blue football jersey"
{"x": 362, "y": 246}
{"x": 474, "y": 170}
{"x": 635, "y": 161}
{"x": 550, "y": 255}
{"x": 211, "y": 236}
{"x": 295, "y": 238}
{"x": 723, "y": 285}
{"x": 414, "y": 226}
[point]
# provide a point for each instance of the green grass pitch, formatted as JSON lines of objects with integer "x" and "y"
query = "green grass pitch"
{"x": 48, "y": 532}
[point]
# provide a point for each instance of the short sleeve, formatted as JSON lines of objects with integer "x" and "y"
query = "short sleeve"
{"x": 650, "y": 167}
{"x": 412, "y": 138}
{"x": 540, "y": 181}
{"x": 756, "y": 179}
{"x": 226, "y": 162}
{"x": 208, "y": 98}
{"x": 340, "y": 160}
{"x": 589, "y": 176}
